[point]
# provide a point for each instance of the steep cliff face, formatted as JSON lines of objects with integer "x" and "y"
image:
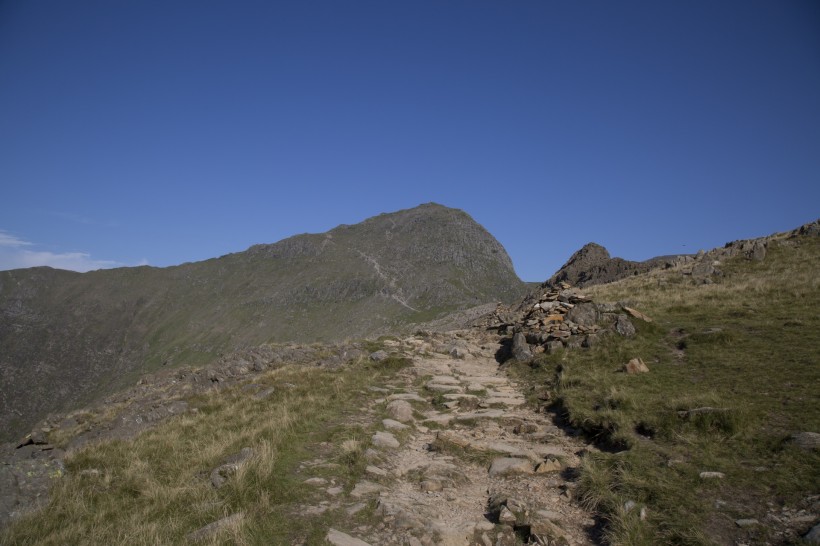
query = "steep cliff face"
{"x": 66, "y": 337}
{"x": 592, "y": 264}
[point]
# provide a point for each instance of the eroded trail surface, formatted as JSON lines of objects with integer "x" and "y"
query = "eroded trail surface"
{"x": 462, "y": 460}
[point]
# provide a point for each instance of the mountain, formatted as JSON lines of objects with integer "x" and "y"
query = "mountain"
{"x": 67, "y": 338}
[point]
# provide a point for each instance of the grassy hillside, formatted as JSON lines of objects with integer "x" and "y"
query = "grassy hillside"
{"x": 744, "y": 352}
{"x": 66, "y": 338}
{"x": 158, "y": 489}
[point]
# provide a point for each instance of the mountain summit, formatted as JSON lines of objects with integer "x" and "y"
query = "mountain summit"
{"x": 66, "y": 338}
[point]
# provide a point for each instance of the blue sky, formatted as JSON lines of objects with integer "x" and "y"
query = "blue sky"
{"x": 136, "y": 132}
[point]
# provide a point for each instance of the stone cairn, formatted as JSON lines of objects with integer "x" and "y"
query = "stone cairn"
{"x": 561, "y": 318}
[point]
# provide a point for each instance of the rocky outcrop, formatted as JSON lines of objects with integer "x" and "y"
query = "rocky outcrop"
{"x": 592, "y": 264}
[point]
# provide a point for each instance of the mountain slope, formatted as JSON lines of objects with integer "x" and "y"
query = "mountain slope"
{"x": 66, "y": 338}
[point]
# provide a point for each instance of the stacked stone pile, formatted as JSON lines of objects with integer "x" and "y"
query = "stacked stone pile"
{"x": 561, "y": 318}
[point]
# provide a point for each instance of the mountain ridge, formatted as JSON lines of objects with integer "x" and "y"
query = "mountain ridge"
{"x": 68, "y": 337}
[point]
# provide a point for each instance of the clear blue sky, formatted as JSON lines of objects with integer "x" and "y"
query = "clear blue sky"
{"x": 164, "y": 132}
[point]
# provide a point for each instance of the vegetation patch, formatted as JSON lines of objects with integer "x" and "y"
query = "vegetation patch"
{"x": 733, "y": 374}
{"x": 157, "y": 488}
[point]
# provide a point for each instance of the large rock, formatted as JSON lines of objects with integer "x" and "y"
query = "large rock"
{"x": 592, "y": 265}
{"x": 520, "y": 349}
{"x": 583, "y": 314}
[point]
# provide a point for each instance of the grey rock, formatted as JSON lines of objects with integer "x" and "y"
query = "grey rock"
{"x": 710, "y": 475}
{"x": 746, "y": 522}
{"x": 378, "y": 356}
{"x": 520, "y": 349}
{"x": 385, "y": 439}
{"x": 232, "y": 464}
{"x": 338, "y": 538}
{"x": 394, "y": 425}
{"x": 365, "y": 488}
{"x": 809, "y": 441}
{"x": 583, "y": 314}
{"x": 208, "y": 531}
{"x": 400, "y": 410}
{"x": 624, "y": 326}
{"x": 504, "y": 466}
{"x": 813, "y": 536}
{"x": 553, "y": 346}
{"x": 703, "y": 269}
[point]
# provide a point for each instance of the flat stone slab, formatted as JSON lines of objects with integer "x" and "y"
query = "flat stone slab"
{"x": 441, "y": 387}
{"x": 394, "y": 425}
{"x": 364, "y": 488}
{"x": 406, "y": 396}
{"x": 338, "y": 538}
{"x": 506, "y": 466}
{"x": 507, "y": 401}
{"x": 483, "y": 380}
{"x": 385, "y": 439}
{"x": 458, "y": 396}
{"x": 480, "y": 414}
{"x": 445, "y": 380}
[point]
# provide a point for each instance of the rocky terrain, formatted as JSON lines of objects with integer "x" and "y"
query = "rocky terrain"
{"x": 69, "y": 338}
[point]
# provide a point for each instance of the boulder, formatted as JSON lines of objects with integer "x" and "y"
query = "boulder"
{"x": 583, "y": 314}
{"x": 520, "y": 349}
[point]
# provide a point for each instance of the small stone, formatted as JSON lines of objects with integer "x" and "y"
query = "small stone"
{"x": 431, "y": 485}
{"x": 709, "y": 475}
{"x": 333, "y": 491}
{"x": 636, "y": 365}
{"x": 746, "y": 522}
{"x": 315, "y": 481}
{"x": 550, "y": 465}
{"x": 505, "y": 517}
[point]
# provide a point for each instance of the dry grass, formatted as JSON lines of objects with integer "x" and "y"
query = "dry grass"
{"x": 155, "y": 489}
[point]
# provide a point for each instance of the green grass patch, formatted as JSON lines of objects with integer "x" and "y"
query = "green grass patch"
{"x": 733, "y": 372}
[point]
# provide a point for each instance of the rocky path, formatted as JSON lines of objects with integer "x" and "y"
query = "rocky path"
{"x": 461, "y": 460}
